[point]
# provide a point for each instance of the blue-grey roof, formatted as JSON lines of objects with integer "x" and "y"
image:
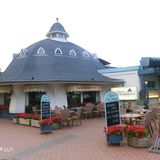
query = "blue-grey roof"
{"x": 47, "y": 66}
{"x": 57, "y": 28}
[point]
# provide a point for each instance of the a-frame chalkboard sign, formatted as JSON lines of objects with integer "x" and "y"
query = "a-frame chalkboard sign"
{"x": 45, "y": 107}
{"x": 45, "y": 114}
{"x": 112, "y": 109}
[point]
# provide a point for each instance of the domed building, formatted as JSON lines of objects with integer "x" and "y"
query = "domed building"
{"x": 65, "y": 71}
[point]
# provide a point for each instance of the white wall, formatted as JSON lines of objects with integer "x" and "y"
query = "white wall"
{"x": 59, "y": 96}
{"x": 106, "y": 88}
{"x": 17, "y": 104}
{"x": 131, "y": 78}
{"x": 50, "y": 92}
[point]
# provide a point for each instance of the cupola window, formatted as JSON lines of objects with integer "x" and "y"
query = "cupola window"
{"x": 72, "y": 52}
{"x": 41, "y": 51}
{"x": 86, "y": 54}
{"x": 22, "y": 53}
{"x": 58, "y": 51}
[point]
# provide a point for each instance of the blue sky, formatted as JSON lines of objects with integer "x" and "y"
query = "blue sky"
{"x": 119, "y": 31}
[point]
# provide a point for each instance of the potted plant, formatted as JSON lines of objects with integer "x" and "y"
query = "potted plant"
{"x": 114, "y": 134}
{"x": 24, "y": 118}
{"x": 35, "y": 120}
{"x": 56, "y": 122}
{"x": 137, "y": 136}
{"x": 46, "y": 125}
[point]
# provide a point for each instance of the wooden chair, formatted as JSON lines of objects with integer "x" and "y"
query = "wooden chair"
{"x": 77, "y": 117}
{"x": 99, "y": 111}
{"x": 66, "y": 119}
{"x": 153, "y": 116}
{"x": 57, "y": 110}
{"x": 146, "y": 122}
{"x": 158, "y": 118}
{"x": 87, "y": 110}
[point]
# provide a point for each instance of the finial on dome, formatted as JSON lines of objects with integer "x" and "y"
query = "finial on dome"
{"x": 57, "y": 20}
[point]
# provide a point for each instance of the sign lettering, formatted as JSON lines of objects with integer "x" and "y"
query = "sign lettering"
{"x": 45, "y": 107}
{"x": 112, "y": 113}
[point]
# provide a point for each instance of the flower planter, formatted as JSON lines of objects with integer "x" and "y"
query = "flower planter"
{"x": 139, "y": 142}
{"x": 115, "y": 139}
{"x": 16, "y": 120}
{"x": 46, "y": 128}
{"x": 35, "y": 123}
{"x": 56, "y": 126}
{"x": 25, "y": 121}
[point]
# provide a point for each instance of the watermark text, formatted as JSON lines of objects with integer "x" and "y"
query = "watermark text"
{"x": 6, "y": 149}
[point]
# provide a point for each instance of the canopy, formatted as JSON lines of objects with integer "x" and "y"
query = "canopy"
{"x": 35, "y": 88}
{"x": 5, "y": 89}
{"x": 72, "y": 88}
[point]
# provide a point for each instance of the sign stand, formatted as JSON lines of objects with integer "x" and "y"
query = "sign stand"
{"x": 112, "y": 112}
{"x": 45, "y": 113}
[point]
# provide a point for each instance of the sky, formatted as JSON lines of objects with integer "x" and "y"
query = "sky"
{"x": 118, "y": 31}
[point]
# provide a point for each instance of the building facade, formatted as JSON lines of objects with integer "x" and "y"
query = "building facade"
{"x": 144, "y": 78}
{"x": 65, "y": 71}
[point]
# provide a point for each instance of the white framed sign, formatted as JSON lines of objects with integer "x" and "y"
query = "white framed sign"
{"x": 126, "y": 93}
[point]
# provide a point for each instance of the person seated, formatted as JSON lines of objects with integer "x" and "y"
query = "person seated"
{"x": 129, "y": 108}
{"x": 34, "y": 109}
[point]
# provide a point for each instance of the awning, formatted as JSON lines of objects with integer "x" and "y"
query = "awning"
{"x": 5, "y": 89}
{"x": 35, "y": 88}
{"x": 72, "y": 88}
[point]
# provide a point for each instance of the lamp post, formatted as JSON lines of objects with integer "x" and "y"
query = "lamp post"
{"x": 146, "y": 100}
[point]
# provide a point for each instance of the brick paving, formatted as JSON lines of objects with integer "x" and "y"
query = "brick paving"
{"x": 85, "y": 142}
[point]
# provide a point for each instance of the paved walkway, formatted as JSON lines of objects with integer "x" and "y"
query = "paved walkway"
{"x": 85, "y": 142}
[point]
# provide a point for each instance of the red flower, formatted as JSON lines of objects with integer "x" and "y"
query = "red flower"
{"x": 56, "y": 119}
{"x": 36, "y": 116}
{"x": 47, "y": 121}
{"x": 136, "y": 131}
{"x": 114, "y": 130}
{"x": 24, "y": 115}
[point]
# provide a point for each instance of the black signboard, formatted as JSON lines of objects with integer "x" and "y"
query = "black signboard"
{"x": 112, "y": 113}
{"x": 45, "y": 107}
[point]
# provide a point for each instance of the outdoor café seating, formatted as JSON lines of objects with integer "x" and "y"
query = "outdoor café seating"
{"x": 87, "y": 110}
{"x": 146, "y": 122}
{"x": 57, "y": 110}
{"x": 99, "y": 110}
{"x": 130, "y": 118}
{"x": 77, "y": 117}
{"x": 66, "y": 119}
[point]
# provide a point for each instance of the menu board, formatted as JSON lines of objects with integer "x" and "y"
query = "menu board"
{"x": 112, "y": 113}
{"x": 45, "y": 107}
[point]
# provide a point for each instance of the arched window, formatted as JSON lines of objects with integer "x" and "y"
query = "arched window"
{"x": 58, "y": 51}
{"x": 22, "y": 53}
{"x": 86, "y": 54}
{"x": 72, "y": 52}
{"x": 41, "y": 51}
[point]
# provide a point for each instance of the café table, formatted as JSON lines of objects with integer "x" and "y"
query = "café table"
{"x": 131, "y": 118}
{"x": 142, "y": 111}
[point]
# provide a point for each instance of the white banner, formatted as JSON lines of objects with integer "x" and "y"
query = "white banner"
{"x": 126, "y": 93}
